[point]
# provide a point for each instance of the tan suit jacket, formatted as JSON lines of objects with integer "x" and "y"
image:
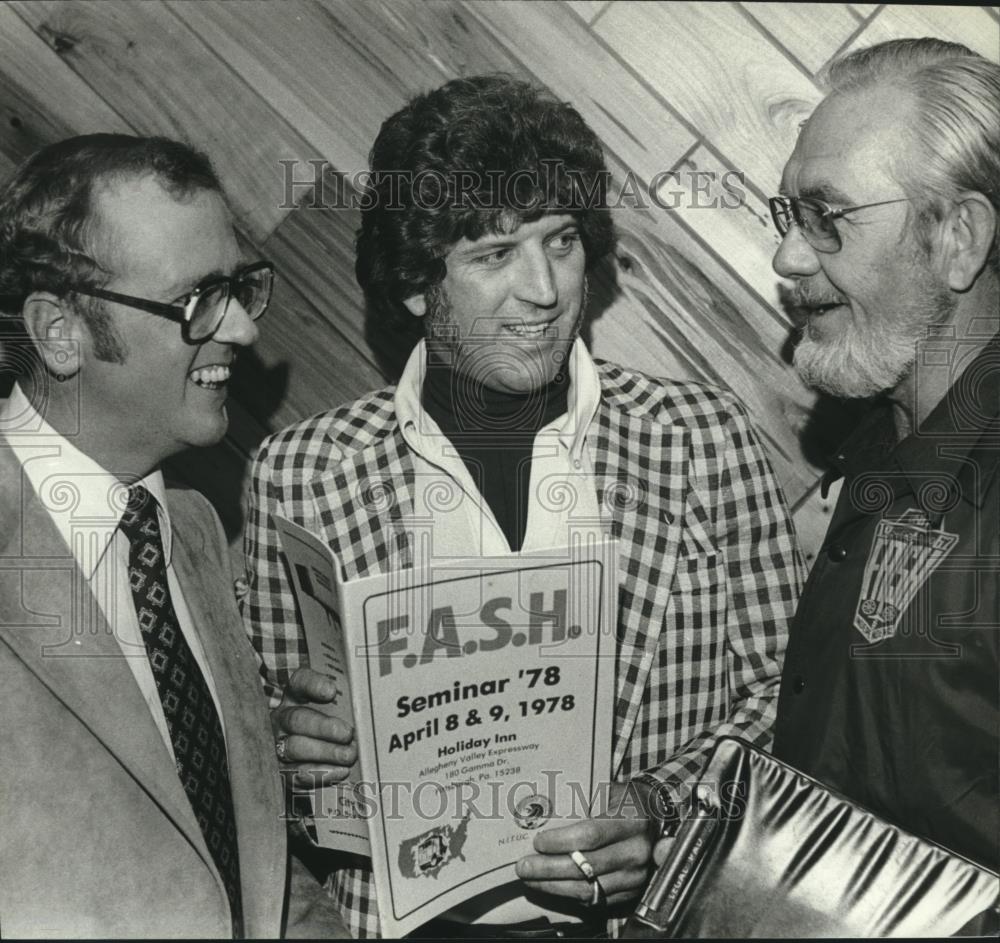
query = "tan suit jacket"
{"x": 97, "y": 837}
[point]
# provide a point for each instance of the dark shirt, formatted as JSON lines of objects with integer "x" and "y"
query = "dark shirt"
{"x": 494, "y": 435}
{"x": 908, "y": 724}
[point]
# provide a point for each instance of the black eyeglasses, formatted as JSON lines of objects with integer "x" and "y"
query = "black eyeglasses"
{"x": 202, "y": 311}
{"x": 814, "y": 218}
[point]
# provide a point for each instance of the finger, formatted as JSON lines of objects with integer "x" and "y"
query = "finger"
{"x": 629, "y": 855}
{"x": 308, "y": 722}
{"x": 300, "y": 750}
{"x": 661, "y": 850}
{"x": 578, "y": 836}
{"x": 586, "y": 897}
{"x": 575, "y": 890}
{"x": 309, "y": 686}
{"x": 316, "y": 775}
{"x": 618, "y": 887}
{"x": 586, "y": 835}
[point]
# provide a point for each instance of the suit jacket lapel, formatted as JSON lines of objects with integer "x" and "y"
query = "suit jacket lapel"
{"x": 640, "y": 469}
{"x": 256, "y": 788}
{"x": 49, "y": 619}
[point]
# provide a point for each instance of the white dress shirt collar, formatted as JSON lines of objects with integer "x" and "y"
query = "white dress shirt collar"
{"x": 583, "y": 398}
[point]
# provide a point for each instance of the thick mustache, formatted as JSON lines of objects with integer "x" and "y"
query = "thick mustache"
{"x": 802, "y": 296}
{"x": 816, "y": 301}
{"x": 800, "y": 301}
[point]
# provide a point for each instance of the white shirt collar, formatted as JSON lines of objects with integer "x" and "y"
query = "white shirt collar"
{"x": 583, "y": 398}
{"x": 77, "y": 493}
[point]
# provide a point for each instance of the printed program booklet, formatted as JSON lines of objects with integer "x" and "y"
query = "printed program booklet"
{"x": 481, "y": 694}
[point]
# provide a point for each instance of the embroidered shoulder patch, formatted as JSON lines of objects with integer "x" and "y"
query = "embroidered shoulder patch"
{"x": 904, "y": 554}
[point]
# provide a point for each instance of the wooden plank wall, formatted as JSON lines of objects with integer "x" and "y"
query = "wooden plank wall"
{"x": 698, "y": 89}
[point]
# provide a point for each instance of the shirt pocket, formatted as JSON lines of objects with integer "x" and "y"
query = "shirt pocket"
{"x": 700, "y": 564}
{"x": 692, "y": 665}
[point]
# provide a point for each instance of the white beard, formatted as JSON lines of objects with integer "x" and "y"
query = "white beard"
{"x": 859, "y": 364}
{"x": 869, "y": 359}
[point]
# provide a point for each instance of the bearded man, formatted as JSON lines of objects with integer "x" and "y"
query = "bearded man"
{"x": 889, "y": 231}
{"x": 503, "y": 405}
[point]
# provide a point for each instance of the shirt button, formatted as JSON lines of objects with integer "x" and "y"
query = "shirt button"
{"x": 798, "y": 684}
{"x": 837, "y": 552}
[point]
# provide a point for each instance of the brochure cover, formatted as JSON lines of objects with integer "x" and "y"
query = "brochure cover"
{"x": 481, "y": 692}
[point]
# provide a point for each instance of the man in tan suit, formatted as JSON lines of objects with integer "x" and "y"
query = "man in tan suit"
{"x": 139, "y": 791}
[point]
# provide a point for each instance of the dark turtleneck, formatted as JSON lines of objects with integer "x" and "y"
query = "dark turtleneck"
{"x": 494, "y": 434}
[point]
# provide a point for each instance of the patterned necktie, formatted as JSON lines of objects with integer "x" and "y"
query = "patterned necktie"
{"x": 195, "y": 731}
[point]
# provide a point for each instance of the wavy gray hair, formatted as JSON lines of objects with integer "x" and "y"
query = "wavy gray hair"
{"x": 957, "y": 135}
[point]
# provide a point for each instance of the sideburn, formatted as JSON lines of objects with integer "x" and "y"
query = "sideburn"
{"x": 109, "y": 346}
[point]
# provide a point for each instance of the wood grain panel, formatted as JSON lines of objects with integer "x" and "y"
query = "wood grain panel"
{"x": 302, "y": 363}
{"x": 971, "y": 26}
{"x": 364, "y": 61}
{"x": 712, "y": 202}
{"x": 41, "y": 99}
{"x": 810, "y": 32}
{"x": 632, "y": 124}
{"x": 141, "y": 58}
{"x": 314, "y": 250}
{"x": 721, "y": 74}
{"x": 588, "y": 10}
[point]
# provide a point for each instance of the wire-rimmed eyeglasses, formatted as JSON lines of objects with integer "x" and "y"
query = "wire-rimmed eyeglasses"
{"x": 201, "y": 312}
{"x": 815, "y": 219}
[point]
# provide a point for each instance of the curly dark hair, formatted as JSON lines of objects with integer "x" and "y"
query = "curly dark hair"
{"x": 478, "y": 155}
{"x": 46, "y": 213}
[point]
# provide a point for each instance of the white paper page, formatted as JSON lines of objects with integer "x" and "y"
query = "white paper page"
{"x": 484, "y": 698}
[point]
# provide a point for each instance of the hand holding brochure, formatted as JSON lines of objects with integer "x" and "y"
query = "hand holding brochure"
{"x": 482, "y": 694}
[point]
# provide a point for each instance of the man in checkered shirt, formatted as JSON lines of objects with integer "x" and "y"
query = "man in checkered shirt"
{"x": 487, "y": 209}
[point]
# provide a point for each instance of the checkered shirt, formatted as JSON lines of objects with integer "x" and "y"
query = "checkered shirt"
{"x": 709, "y": 570}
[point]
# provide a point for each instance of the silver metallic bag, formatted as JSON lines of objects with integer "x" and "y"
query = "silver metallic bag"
{"x": 766, "y": 851}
